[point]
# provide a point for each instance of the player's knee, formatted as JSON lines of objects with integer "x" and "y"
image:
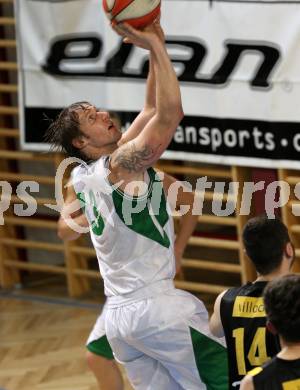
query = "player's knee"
{"x": 89, "y": 357}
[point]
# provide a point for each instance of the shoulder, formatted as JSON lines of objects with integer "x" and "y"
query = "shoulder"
{"x": 75, "y": 171}
{"x": 229, "y": 295}
{"x": 233, "y": 292}
{"x": 226, "y": 302}
{"x": 218, "y": 304}
{"x": 247, "y": 382}
{"x": 260, "y": 377}
{"x": 267, "y": 370}
{"x": 220, "y": 297}
{"x": 255, "y": 371}
{"x": 82, "y": 168}
{"x": 89, "y": 176}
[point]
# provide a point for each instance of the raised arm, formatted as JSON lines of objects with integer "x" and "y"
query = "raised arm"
{"x": 147, "y": 112}
{"x": 129, "y": 160}
{"x": 149, "y": 108}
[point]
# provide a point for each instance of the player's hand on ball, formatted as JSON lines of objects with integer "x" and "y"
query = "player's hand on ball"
{"x": 141, "y": 38}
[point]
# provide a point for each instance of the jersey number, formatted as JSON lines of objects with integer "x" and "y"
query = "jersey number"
{"x": 257, "y": 354}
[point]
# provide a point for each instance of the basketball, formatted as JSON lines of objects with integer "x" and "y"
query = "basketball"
{"x": 137, "y": 13}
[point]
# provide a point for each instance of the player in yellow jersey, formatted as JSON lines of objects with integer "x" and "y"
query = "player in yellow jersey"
{"x": 239, "y": 312}
{"x": 282, "y": 303}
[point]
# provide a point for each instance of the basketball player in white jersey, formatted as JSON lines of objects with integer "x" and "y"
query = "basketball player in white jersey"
{"x": 160, "y": 334}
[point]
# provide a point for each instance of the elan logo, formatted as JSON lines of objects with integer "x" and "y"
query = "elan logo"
{"x": 86, "y": 50}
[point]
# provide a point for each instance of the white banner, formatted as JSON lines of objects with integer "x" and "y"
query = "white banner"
{"x": 238, "y": 63}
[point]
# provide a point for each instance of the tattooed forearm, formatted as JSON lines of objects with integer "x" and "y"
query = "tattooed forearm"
{"x": 133, "y": 160}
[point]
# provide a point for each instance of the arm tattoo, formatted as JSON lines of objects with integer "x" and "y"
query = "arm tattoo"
{"x": 134, "y": 160}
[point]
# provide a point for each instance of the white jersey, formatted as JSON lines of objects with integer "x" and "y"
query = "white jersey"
{"x": 133, "y": 236}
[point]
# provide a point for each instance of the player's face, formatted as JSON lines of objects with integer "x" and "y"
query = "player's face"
{"x": 97, "y": 127}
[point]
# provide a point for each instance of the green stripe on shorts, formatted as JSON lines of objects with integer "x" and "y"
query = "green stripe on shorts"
{"x": 101, "y": 347}
{"x": 211, "y": 359}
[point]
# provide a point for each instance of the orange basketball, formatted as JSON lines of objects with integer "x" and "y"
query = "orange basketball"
{"x": 137, "y": 13}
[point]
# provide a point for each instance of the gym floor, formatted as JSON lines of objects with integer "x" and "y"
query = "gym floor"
{"x": 43, "y": 335}
{"x": 42, "y": 342}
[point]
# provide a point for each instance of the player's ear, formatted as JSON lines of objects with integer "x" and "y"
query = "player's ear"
{"x": 289, "y": 250}
{"x": 79, "y": 142}
{"x": 271, "y": 328}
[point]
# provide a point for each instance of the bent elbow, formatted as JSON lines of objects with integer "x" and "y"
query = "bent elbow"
{"x": 65, "y": 233}
{"x": 180, "y": 113}
{"x": 177, "y": 111}
{"x": 173, "y": 116}
{"x": 61, "y": 233}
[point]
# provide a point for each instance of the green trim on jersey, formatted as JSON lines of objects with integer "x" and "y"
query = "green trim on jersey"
{"x": 97, "y": 225}
{"x": 150, "y": 221}
{"x": 101, "y": 347}
{"x": 211, "y": 360}
{"x": 82, "y": 201}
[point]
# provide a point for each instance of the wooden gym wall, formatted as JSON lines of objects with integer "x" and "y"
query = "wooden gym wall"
{"x": 213, "y": 260}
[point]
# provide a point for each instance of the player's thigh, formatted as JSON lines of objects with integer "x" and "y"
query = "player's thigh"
{"x": 173, "y": 349}
{"x": 143, "y": 372}
{"x": 194, "y": 358}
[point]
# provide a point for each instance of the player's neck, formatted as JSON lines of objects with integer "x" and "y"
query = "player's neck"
{"x": 289, "y": 351}
{"x": 94, "y": 153}
{"x": 282, "y": 270}
{"x": 108, "y": 149}
{"x": 268, "y": 277}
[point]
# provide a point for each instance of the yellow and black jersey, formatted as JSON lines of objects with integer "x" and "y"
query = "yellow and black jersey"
{"x": 278, "y": 374}
{"x": 249, "y": 344}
